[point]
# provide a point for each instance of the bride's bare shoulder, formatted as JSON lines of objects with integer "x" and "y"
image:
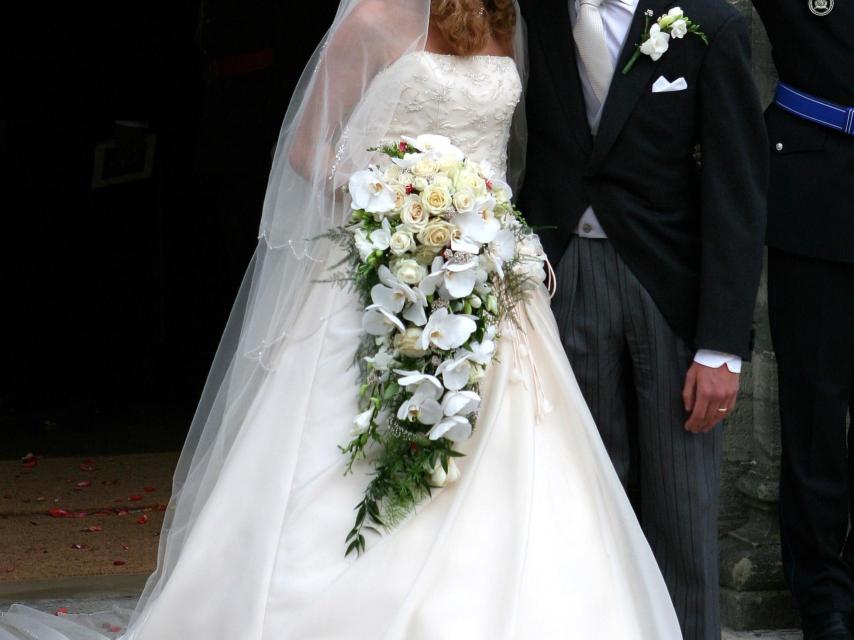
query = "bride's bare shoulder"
{"x": 379, "y": 13}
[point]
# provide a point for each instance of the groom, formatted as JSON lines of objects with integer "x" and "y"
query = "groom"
{"x": 653, "y": 180}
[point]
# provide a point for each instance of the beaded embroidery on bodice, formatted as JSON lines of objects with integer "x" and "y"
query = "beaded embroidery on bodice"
{"x": 471, "y": 100}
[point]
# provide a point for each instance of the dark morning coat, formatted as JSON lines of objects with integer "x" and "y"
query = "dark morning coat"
{"x": 692, "y": 235}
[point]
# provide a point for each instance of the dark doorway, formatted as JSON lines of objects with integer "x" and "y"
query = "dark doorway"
{"x": 135, "y": 140}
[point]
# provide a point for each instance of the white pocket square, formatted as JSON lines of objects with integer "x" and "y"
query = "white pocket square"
{"x": 663, "y": 85}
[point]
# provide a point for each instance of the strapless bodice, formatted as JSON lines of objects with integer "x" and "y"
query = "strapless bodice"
{"x": 471, "y": 100}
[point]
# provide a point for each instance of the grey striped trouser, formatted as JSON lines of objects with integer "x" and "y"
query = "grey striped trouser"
{"x": 631, "y": 369}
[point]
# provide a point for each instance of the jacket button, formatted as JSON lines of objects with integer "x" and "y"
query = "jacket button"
{"x": 779, "y": 146}
{"x": 587, "y": 228}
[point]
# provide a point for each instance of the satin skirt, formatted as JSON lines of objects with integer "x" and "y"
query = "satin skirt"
{"x": 536, "y": 540}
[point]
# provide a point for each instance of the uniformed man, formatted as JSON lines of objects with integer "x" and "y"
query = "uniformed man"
{"x": 811, "y": 299}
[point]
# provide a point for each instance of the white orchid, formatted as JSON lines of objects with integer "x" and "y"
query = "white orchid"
{"x": 460, "y": 403}
{"x": 454, "y": 428}
{"x": 440, "y": 145}
{"x": 460, "y": 276}
{"x": 369, "y": 192}
{"x": 362, "y": 422}
{"x": 453, "y": 280}
{"x": 479, "y": 225}
{"x": 455, "y": 373}
{"x": 381, "y": 238}
{"x": 501, "y": 250}
{"x": 416, "y": 378}
{"x": 363, "y": 244}
{"x": 381, "y": 361}
{"x": 392, "y": 295}
{"x": 501, "y": 191}
{"x": 422, "y": 406}
{"x": 379, "y": 322}
{"x": 435, "y": 279}
{"x": 447, "y": 331}
{"x": 480, "y": 352}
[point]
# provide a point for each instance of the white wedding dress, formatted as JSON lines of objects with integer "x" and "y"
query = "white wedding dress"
{"x": 536, "y": 541}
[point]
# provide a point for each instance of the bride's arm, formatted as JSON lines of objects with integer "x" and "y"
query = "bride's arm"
{"x": 362, "y": 43}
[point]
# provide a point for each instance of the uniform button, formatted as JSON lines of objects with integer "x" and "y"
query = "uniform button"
{"x": 779, "y": 146}
{"x": 587, "y": 228}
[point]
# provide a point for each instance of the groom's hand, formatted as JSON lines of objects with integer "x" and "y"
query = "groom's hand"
{"x": 707, "y": 391}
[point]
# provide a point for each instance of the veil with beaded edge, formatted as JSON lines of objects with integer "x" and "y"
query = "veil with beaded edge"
{"x": 330, "y": 123}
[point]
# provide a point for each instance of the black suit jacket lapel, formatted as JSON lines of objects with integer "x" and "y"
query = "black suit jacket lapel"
{"x": 626, "y": 90}
{"x": 555, "y": 28}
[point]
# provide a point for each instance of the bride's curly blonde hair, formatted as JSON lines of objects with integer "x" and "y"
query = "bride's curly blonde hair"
{"x": 467, "y": 24}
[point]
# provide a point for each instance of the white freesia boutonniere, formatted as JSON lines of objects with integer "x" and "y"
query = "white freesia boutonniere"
{"x": 657, "y": 35}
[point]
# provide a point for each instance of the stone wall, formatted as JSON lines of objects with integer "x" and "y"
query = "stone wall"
{"x": 754, "y": 594}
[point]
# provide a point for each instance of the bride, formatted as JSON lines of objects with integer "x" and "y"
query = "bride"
{"x": 535, "y": 540}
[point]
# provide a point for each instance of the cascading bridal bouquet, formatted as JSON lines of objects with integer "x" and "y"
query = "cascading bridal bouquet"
{"x": 440, "y": 258}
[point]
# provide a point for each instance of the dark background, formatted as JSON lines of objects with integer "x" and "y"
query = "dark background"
{"x": 113, "y": 299}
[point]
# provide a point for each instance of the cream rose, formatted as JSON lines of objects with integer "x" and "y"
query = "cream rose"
{"x": 425, "y": 167}
{"x": 401, "y": 242}
{"x": 399, "y": 196}
{"x": 409, "y": 271}
{"x": 442, "y": 181}
{"x": 449, "y": 165}
{"x": 405, "y": 179}
{"x": 437, "y": 233}
{"x": 436, "y": 199}
{"x": 420, "y": 183}
{"x": 468, "y": 180}
{"x": 464, "y": 201}
{"x": 408, "y": 344}
{"x": 413, "y": 215}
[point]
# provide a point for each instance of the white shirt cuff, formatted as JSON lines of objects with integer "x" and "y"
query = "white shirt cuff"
{"x": 716, "y": 359}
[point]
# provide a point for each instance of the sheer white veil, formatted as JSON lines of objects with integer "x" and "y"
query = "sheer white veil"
{"x": 332, "y": 120}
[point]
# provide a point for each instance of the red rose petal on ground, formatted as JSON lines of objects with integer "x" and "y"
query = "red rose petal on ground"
{"x": 149, "y": 489}
{"x": 93, "y": 529}
{"x": 142, "y": 519}
{"x": 122, "y": 512}
{"x": 119, "y": 562}
{"x": 125, "y": 547}
{"x": 160, "y": 507}
{"x": 84, "y": 483}
{"x": 40, "y": 499}
{"x": 87, "y": 467}
{"x": 135, "y": 498}
{"x": 79, "y": 546}
{"x": 58, "y": 513}
{"x": 30, "y": 464}
{"x": 61, "y": 611}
